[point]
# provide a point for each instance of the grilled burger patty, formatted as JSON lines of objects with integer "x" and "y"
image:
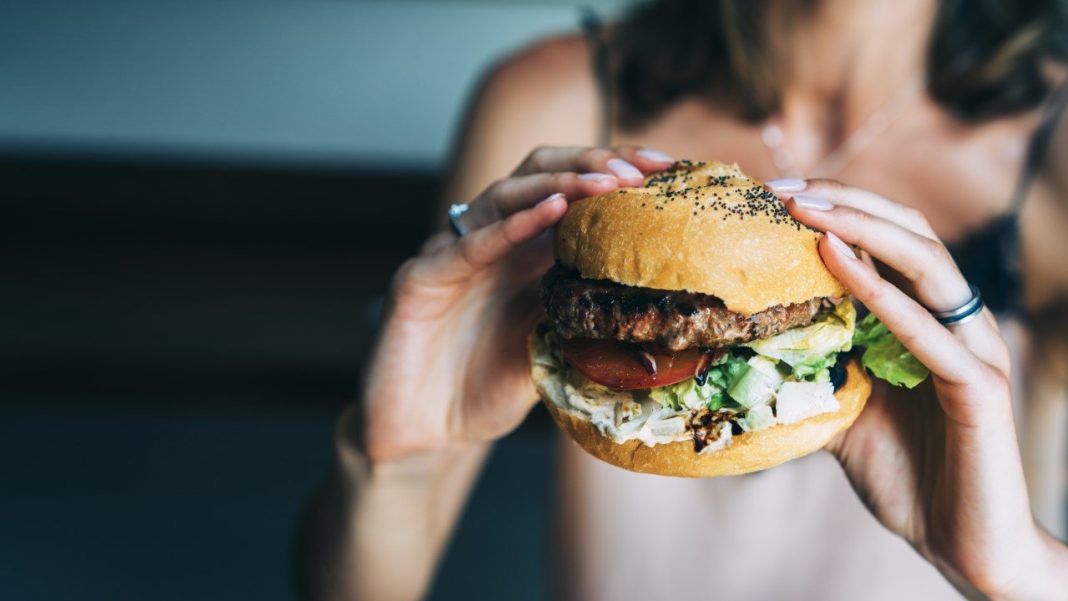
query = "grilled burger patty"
{"x": 602, "y": 309}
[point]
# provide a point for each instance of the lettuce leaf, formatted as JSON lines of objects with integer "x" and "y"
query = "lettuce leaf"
{"x": 712, "y": 394}
{"x": 758, "y": 418}
{"x": 885, "y": 356}
{"x": 758, "y": 383}
{"x": 815, "y": 347}
{"x": 687, "y": 394}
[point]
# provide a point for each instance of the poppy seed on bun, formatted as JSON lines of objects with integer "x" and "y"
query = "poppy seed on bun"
{"x": 662, "y": 296}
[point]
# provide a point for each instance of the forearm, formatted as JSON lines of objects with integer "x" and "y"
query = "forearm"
{"x": 1049, "y": 578}
{"x": 1044, "y": 577}
{"x": 377, "y": 530}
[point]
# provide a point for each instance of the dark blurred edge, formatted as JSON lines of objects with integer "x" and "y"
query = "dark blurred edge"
{"x": 142, "y": 293}
{"x": 139, "y": 294}
{"x": 197, "y": 282}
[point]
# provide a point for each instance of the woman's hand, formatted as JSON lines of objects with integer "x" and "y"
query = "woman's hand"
{"x": 451, "y": 363}
{"x": 449, "y": 374}
{"x": 942, "y": 472}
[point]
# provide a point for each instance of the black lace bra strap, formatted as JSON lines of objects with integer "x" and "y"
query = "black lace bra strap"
{"x": 1040, "y": 141}
{"x": 595, "y": 37}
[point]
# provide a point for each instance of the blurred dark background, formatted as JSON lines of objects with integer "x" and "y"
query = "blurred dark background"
{"x": 203, "y": 202}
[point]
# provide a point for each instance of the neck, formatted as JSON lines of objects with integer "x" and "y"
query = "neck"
{"x": 842, "y": 61}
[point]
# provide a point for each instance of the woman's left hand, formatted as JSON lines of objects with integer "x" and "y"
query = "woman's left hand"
{"x": 944, "y": 473}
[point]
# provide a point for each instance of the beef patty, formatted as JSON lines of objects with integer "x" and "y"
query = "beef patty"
{"x": 676, "y": 320}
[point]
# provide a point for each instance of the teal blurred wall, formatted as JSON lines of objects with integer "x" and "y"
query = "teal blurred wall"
{"x": 336, "y": 81}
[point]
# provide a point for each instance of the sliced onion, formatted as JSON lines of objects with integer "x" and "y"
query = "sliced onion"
{"x": 648, "y": 361}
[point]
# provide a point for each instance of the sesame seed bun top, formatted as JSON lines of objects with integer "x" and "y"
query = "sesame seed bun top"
{"x": 698, "y": 227}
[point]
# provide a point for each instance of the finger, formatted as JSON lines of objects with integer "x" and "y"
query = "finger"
{"x": 507, "y": 196}
{"x": 983, "y": 337}
{"x": 628, "y": 163}
{"x": 935, "y": 279}
{"x": 923, "y": 261}
{"x": 436, "y": 242}
{"x": 648, "y": 160}
{"x": 842, "y": 195}
{"x": 934, "y": 346}
{"x": 486, "y": 246}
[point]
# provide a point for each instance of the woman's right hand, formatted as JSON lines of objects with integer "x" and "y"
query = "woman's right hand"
{"x": 450, "y": 366}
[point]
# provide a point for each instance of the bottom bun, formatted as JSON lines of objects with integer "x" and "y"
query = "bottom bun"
{"x": 747, "y": 452}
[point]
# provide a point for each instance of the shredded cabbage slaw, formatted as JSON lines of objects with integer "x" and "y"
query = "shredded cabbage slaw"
{"x": 782, "y": 379}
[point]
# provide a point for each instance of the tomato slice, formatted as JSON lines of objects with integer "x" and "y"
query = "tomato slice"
{"x": 619, "y": 366}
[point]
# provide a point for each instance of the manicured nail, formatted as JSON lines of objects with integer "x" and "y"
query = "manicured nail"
{"x": 655, "y": 155}
{"x": 841, "y": 247}
{"x": 814, "y": 203}
{"x": 552, "y": 198}
{"x": 596, "y": 177}
{"x": 623, "y": 169}
{"x": 787, "y": 184}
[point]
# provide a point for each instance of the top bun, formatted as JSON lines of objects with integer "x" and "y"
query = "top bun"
{"x": 698, "y": 227}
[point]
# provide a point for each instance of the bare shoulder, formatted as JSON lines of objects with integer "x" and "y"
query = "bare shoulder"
{"x": 544, "y": 94}
{"x": 1045, "y": 221}
{"x": 546, "y": 68}
{"x": 1054, "y": 175}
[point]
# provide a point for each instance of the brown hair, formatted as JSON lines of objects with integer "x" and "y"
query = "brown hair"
{"x": 984, "y": 59}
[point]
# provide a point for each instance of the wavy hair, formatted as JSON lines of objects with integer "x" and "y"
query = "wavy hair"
{"x": 985, "y": 58}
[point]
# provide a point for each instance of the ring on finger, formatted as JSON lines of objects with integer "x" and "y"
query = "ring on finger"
{"x": 964, "y": 313}
{"x": 456, "y": 212}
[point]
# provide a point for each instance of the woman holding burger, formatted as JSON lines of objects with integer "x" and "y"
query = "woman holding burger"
{"x": 943, "y": 117}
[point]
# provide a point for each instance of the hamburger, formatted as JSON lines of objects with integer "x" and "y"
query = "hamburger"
{"x": 692, "y": 329}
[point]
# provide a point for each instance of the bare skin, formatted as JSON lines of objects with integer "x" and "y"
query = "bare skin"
{"x": 944, "y": 475}
{"x": 461, "y": 309}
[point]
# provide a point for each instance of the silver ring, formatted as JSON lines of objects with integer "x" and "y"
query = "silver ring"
{"x": 964, "y": 313}
{"x": 455, "y": 212}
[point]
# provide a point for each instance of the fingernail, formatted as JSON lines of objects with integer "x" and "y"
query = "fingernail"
{"x": 787, "y": 184}
{"x": 551, "y": 198}
{"x": 596, "y": 177}
{"x": 623, "y": 169}
{"x": 841, "y": 247}
{"x": 813, "y": 202}
{"x": 655, "y": 155}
